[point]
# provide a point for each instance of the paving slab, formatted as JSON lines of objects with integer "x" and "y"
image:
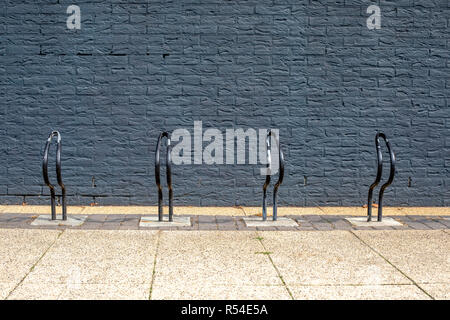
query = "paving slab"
{"x": 123, "y": 259}
{"x": 37, "y": 291}
{"x": 96, "y": 291}
{"x": 422, "y": 255}
{"x": 221, "y": 292}
{"x": 19, "y": 251}
{"x": 365, "y": 292}
{"x": 280, "y": 222}
{"x": 352, "y": 211}
{"x": 227, "y": 211}
{"x": 34, "y": 209}
{"x": 429, "y": 211}
{"x": 328, "y": 258}
{"x": 283, "y": 211}
{"x": 83, "y": 291}
{"x": 208, "y": 211}
{"x": 439, "y": 291}
{"x": 388, "y": 211}
{"x": 107, "y": 210}
{"x": 46, "y": 220}
{"x": 153, "y": 222}
{"x": 210, "y": 258}
{"x": 153, "y": 210}
{"x": 385, "y": 222}
{"x": 7, "y": 287}
{"x": 96, "y": 264}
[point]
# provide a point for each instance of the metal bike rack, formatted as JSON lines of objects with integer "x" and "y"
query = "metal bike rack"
{"x": 168, "y": 174}
{"x": 280, "y": 177}
{"x": 58, "y": 175}
{"x": 378, "y": 178}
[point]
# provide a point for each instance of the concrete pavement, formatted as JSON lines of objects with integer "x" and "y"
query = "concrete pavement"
{"x": 157, "y": 264}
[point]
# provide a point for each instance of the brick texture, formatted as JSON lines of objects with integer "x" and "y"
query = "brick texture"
{"x": 310, "y": 68}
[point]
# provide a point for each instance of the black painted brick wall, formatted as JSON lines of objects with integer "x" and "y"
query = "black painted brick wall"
{"x": 311, "y": 68}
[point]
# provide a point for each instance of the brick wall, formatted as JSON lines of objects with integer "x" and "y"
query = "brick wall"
{"x": 310, "y": 68}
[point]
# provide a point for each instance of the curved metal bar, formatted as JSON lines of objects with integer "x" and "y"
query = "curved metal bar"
{"x": 267, "y": 182}
{"x": 168, "y": 174}
{"x": 280, "y": 176}
{"x": 378, "y": 177}
{"x": 58, "y": 175}
{"x": 390, "y": 180}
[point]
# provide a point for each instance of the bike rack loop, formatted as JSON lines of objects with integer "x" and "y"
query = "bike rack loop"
{"x": 378, "y": 178}
{"x": 168, "y": 174}
{"x": 280, "y": 177}
{"x": 58, "y": 174}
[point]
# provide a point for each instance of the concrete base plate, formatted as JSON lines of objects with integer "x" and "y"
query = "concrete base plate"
{"x": 280, "y": 222}
{"x": 46, "y": 220}
{"x": 362, "y": 222}
{"x": 152, "y": 221}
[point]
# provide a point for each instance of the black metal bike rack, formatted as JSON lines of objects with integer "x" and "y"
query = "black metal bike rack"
{"x": 168, "y": 174}
{"x": 378, "y": 178}
{"x": 58, "y": 175}
{"x": 280, "y": 177}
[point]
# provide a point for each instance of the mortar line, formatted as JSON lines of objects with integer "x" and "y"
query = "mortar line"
{"x": 82, "y": 210}
{"x": 438, "y": 220}
{"x": 358, "y": 284}
{"x": 158, "y": 240}
{"x": 34, "y": 265}
{"x": 259, "y": 238}
{"x": 395, "y": 267}
{"x": 320, "y": 208}
{"x": 243, "y": 210}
